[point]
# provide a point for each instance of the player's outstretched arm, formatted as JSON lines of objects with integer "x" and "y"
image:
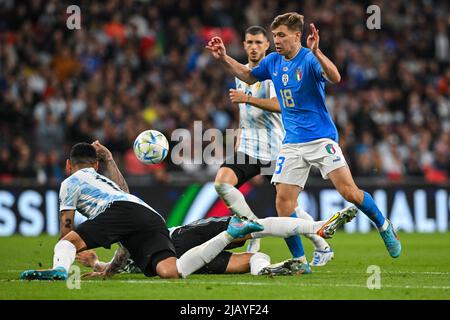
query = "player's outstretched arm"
{"x": 328, "y": 67}
{"x": 89, "y": 258}
{"x": 107, "y": 270}
{"x": 271, "y": 104}
{"x": 218, "y": 51}
{"x": 112, "y": 171}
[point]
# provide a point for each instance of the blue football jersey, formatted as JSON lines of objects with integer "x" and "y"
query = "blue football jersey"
{"x": 300, "y": 87}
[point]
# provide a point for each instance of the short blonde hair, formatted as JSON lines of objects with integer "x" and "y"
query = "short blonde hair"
{"x": 293, "y": 20}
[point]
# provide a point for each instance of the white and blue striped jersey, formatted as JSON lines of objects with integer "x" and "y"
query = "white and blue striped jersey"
{"x": 91, "y": 193}
{"x": 262, "y": 131}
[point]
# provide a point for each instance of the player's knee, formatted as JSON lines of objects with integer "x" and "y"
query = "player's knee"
{"x": 222, "y": 187}
{"x": 226, "y": 175}
{"x": 168, "y": 272}
{"x": 167, "y": 269}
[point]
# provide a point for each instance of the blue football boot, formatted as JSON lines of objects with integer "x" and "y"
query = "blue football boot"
{"x": 238, "y": 227}
{"x": 391, "y": 241}
{"x": 50, "y": 274}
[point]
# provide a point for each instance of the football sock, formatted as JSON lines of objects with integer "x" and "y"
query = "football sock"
{"x": 254, "y": 245}
{"x": 258, "y": 261}
{"x": 234, "y": 200}
{"x": 318, "y": 242}
{"x": 384, "y": 226}
{"x": 64, "y": 254}
{"x": 295, "y": 245}
{"x": 286, "y": 227}
{"x": 370, "y": 209}
{"x": 197, "y": 257}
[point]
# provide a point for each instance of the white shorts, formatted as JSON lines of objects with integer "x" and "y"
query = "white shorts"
{"x": 295, "y": 160}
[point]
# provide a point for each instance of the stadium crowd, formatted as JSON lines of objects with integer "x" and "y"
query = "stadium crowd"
{"x": 136, "y": 65}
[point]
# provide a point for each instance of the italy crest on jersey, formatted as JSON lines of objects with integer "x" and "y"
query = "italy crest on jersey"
{"x": 298, "y": 74}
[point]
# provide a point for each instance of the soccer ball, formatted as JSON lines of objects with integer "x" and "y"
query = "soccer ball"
{"x": 151, "y": 147}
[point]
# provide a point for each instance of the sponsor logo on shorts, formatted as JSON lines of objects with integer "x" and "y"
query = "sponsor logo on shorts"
{"x": 337, "y": 159}
{"x": 330, "y": 149}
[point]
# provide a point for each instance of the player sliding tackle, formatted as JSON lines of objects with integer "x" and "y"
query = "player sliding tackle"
{"x": 187, "y": 237}
{"x": 114, "y": 216}
{"x": 311, "y": 139}
{"x": 255, "y": 263}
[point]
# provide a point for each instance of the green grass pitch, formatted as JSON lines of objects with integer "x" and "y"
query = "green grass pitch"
{"x": 422, "y": 272}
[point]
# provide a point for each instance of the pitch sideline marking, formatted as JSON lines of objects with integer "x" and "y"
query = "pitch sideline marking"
{"x": 254, "y": 283}
{"x": 329, "y": 271}
{"x": 287, "y": 284}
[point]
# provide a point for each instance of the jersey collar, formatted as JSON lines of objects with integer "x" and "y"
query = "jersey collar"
{"x": 296, "y": 55}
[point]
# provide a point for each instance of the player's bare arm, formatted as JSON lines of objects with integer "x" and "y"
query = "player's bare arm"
{"x": 271, "y": 104}
{"x": 90, "y": 259}
{"x": 112, "y": 171}
{"x": 102, "y": 269}
{"x": 218, "y": 51}
{"x": 66, "y": 222}
{"x": 328, "y": 67}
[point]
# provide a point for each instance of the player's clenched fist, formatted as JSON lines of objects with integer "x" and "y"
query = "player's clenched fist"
{"x": 103, "y": 153}
{"x": 237, "y": 96}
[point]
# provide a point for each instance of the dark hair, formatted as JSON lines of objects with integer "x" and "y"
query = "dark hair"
{"x": 254, "y": 30}
{"x": 83, "y": 153}
{"x": 292, "y": 20}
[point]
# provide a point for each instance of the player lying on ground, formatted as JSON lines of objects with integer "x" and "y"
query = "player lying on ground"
{"x": 114, "y": 216}
{"x": 186, "y": 237}
{"x": 299, "y": 75}
{"x": 260, "y": 136}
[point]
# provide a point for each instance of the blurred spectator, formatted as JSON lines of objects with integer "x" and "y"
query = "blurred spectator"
{"x": 136, "y": 65}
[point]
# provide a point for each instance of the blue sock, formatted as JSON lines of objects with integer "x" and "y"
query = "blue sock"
{"x": 294, "y": 244}
{"x": 371, "y": 210}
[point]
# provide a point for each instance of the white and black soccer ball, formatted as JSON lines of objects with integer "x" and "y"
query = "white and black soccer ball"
{"x": 151, "y": 147}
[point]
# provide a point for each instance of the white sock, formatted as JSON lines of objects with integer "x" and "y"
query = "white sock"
{"x": 64, "y": 254}
{"x": 197, "y": 257}
{"x": 234, "y": 200}
{"x": 302, "y": 259}
{"x": 285, "y": 227}
{"x": 258, "y": 261}
{"x": 384, "y": 226}
{"x": 318, "y": 242}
